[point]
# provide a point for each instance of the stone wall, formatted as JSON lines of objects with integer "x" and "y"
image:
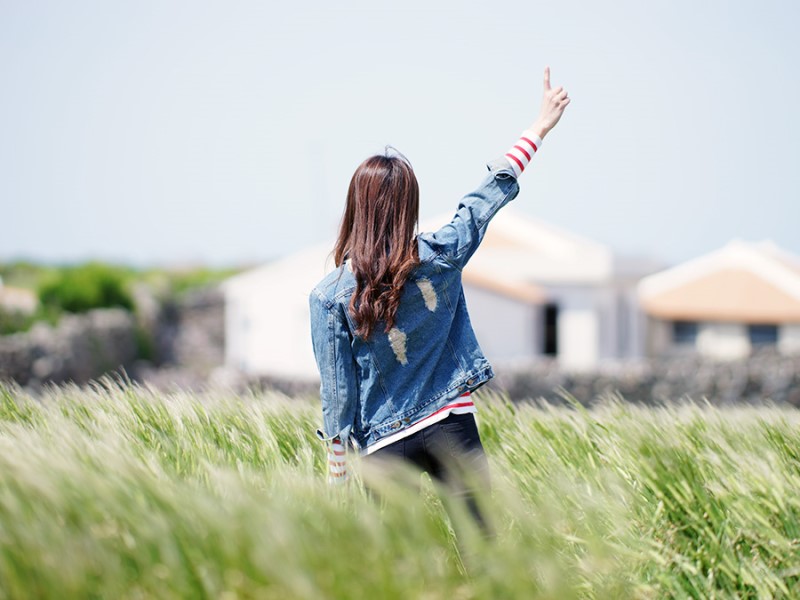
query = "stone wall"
{"x": 187, "y": 350}
{"x": 766, "y": 375}
{"x": 188, "y": 340}
{"x": 191, "y": 330}
{"x": 183, "y": 338}
{"x": 78, "y": 348}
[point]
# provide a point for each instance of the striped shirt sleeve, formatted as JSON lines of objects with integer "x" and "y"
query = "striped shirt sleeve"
{"x": 337, "y": 462}
{"x": 522, "y": 152}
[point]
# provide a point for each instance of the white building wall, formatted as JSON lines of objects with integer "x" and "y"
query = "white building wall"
{"x": 789, "y": 338}
{"x": 725, "y": 341}
{"x": 632, "y": 327}
{"x": 233, "y": 334}
{"x": 578, "y": 339}
{"x": 594, "y": 323}
{"x": 507, "y": 329}
{"x": 608, "y": 317}
{"x": 579, "y": 328}
{"x": 270, "y": 333}
{"x": 268, "y": 330}
{"x": 619, "y": 321}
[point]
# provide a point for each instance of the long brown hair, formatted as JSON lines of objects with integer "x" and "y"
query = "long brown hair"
{"x": 377, "y": 235}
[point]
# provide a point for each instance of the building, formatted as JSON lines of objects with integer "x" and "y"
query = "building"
{"x": 267, "y": 322}
{"x": 726, "y": 303}
{"x": 533, "y": 291}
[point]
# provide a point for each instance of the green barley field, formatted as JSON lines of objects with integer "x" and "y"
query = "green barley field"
{"x": 113, "y": 490}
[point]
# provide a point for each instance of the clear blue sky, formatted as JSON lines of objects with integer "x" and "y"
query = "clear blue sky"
{"x": 224, "y": 132}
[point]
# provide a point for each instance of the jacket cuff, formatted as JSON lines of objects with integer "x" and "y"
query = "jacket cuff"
{"x": 501, "y": 165}
{"x": 324, "y": 436}
{"x": 345, "y": 436}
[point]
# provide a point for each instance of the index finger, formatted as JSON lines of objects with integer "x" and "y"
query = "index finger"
{"x": 547, "y": 78}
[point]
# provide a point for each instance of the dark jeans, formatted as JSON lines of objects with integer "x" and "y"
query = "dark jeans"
{"x": 451, "y": 452}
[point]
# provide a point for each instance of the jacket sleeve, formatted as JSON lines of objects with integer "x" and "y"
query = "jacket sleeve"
{"x": 337, "y": 369}
{"x": 459, "y": 239}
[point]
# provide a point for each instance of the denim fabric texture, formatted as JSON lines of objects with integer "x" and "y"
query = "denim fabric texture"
{"x": 372, "y": 388}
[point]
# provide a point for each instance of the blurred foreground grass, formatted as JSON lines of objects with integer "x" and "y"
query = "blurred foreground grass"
{"x": 115, "y": 491}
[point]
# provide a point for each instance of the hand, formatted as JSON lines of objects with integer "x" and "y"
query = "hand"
{"x": 554, "y": 102}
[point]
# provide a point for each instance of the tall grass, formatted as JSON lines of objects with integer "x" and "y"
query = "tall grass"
{"x": 116, "y": 491}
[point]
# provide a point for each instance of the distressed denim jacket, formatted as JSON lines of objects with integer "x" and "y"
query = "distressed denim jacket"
{"x": 373, "y": 388}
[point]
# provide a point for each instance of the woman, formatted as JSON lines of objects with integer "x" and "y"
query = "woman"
{"x": 397, "y": 355}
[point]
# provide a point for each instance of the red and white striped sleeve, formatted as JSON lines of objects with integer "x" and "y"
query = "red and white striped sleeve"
{"x": 522, "y": 152}
{"x": 337, "y": 462}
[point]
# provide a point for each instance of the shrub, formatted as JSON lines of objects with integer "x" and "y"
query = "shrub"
{"x": 182, "y": 281}
{"x": 83, "y": 287}
{"x": 12, "y": 321}
{"x": 25, "y": 274}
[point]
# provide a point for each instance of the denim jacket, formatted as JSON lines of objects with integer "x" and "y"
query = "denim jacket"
{"x": 373, "y": 388}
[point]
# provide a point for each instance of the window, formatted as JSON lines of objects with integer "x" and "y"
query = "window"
{"x": 684, "y": 332}
{"x": 550, "y": 330}
{"x": 763, "y": 335}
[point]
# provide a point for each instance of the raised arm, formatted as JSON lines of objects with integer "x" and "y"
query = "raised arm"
{"x": 458, "y": 240}
{"x": 554, "y": 101}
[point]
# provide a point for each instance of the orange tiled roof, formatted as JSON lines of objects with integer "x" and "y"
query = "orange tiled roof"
{"x": 725, "y": 295}
{"x": 525, "y": 292}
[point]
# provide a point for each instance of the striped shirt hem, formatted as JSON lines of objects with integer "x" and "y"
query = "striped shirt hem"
{"x": 459, "y": 406}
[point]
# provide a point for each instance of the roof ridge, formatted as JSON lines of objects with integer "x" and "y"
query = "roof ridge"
{"x": 736, "y": 254}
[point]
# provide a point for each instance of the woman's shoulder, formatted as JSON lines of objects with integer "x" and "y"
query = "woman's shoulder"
{"x": 335, "y": 286}
{"x": 427, "y": 246}
{"x": 433, "y": 254}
